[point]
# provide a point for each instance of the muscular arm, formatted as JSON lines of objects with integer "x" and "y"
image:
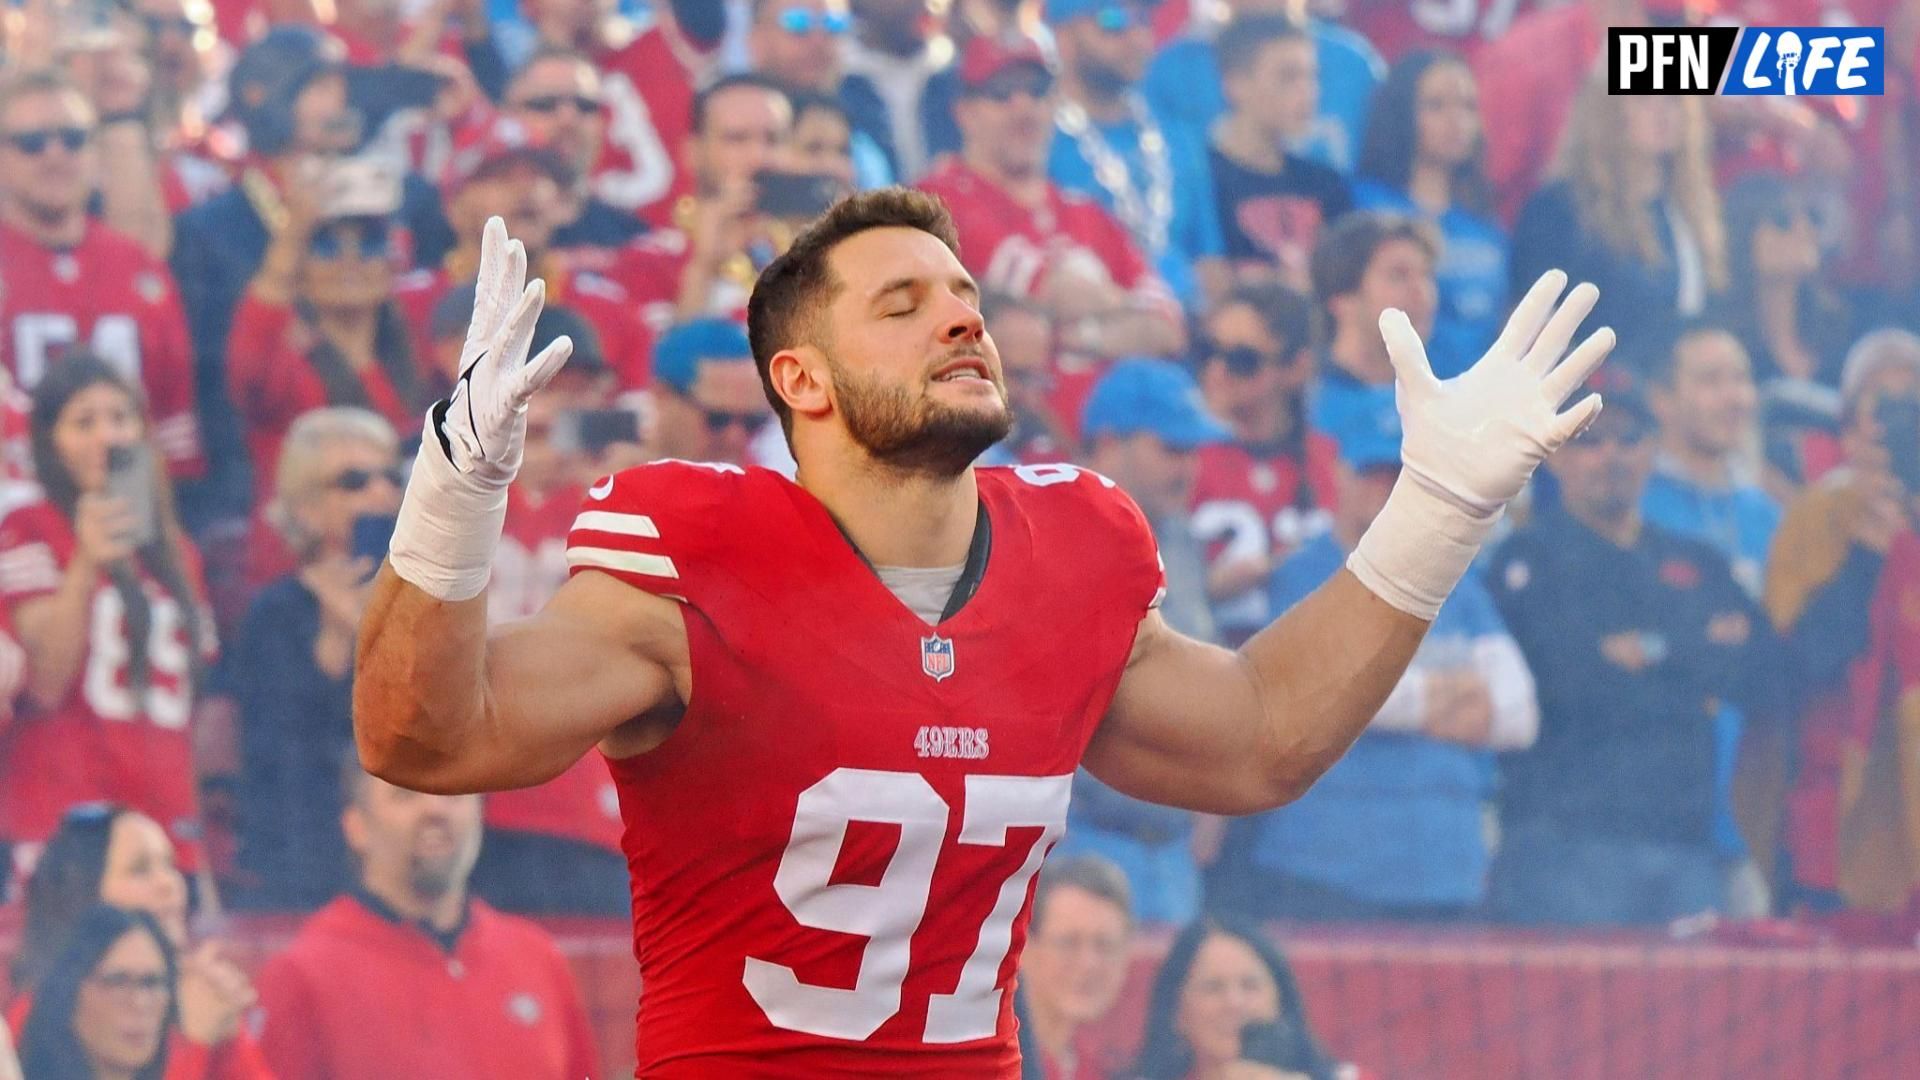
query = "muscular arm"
{"x": 1259, "y": 724}
{"x": 442, "y": 705}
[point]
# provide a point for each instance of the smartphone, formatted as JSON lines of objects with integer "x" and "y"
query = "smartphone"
{"x": 591, "y": 431}
{"x": 130, "y": 479}
{"x": 1899, "y": 420}
{"x": 372, "y": 535}
{"x": 795, "y": 195}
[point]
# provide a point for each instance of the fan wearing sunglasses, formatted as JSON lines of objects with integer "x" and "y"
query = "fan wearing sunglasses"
{"x": 317, "y": 327}
{"x": 70, "y": 280}
{"x": 559, "y": 96}
{"x": 707, "y": 393}
{"x": 337, "y": 476}
{"x": 798, "y": 43}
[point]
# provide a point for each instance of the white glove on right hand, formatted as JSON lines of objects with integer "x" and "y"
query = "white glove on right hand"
{"x": 456, "y": 501}
{"x": 1470, "y": 444}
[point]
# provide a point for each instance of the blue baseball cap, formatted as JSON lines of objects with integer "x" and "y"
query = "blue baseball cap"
{"x": 1060, "y": 11}
{"x": 679, "y": 352}
{"x": 1157, "y": 397}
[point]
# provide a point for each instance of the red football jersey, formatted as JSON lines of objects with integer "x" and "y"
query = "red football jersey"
{"x": 1248, "y": 502}
{"x": 109, "y": 293}
{"x": 102, "y": 743}
{"x": 624, "y": 339}
{"x": 359, "y": 995}
{"x": 834, "y": 852}
{"x": 529, "y": 567}
{"x": 649, "y": 86}
{"x": 1398, "y": 27}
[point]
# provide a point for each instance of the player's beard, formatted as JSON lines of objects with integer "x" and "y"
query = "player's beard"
{"x": 924, "y": 436}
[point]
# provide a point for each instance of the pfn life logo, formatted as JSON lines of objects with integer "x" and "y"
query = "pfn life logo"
{"x": 1747, "y": 61}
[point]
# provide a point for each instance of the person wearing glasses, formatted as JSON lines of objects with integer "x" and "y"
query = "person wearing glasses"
{"x": 706, "y": 393}
{"x": 1264, "y": 492}
{"x": 69, "y": 280}
{"x": 318, "y": 326}
{"x": 560, "y": 98}
{"x": 1608, "y": 819}
{"x": 106, "y": 597}
{"x": 107, "y": 854}
{"x": 800, "y": 45}
{"x": 291, "y": 670}
{"x": 1027, "y": 236}
{"x": 106, "y": 1003}
{"x": 1079, "y": 946}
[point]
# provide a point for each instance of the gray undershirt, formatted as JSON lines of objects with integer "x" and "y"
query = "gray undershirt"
{"x": 924, "y": 590}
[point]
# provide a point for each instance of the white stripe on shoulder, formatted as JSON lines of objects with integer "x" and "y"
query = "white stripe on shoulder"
{"x": 608, "y": 521}
{"x": 632, "y": 562}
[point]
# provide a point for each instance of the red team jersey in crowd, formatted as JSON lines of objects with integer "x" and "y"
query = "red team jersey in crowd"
{"x": 624, "y": 339}
{"x": 1398, "y": 27}
{"x": 528, "y": 568}
{"x": 360, "y": 996}
{"x": 107, "y": 293}
{"x": 650, "y": 268}
{"x": 648, "y": 87}
{"x": 1249, "y": 501}
{"x": 102, "y": 743}
{"x": 834, "y": 852}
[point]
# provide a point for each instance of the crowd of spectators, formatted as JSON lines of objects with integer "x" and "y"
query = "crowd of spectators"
{"x": 237, "y": 248}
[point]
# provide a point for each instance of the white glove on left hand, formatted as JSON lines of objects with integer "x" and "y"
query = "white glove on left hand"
{"x": 1470, "y": 444}
{"x": 456, "y": 501}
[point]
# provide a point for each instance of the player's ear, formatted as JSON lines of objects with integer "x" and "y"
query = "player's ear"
{"x": 801, "y": 379}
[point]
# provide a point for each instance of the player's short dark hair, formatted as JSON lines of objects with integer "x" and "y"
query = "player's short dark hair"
{"x": 1243, "y": 40}
{"x": 703, "y": 101}
{"x": 1344, "y": 252}
{"x": 1098, "y": 877}
{"x": 786, "y": 302}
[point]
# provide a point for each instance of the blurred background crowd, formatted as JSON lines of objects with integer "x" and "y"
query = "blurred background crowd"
{"x": 237, "y": 248}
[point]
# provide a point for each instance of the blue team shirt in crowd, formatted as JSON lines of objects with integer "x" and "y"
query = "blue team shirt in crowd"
{"x": 1739, "y": 522}
{"x": 1398, "y": 820}
{"x": 1347, "y": 410}
{"x": 1472, "y": 276}
{"x": 1184, "y": 86}
{"x": 1195, "y": 229}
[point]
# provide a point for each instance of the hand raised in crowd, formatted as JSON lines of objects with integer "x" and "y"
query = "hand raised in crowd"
{"x": 214, "y": 995}
{"x": 721, "y": 226}
{"x": 342, "y": 586}
{"x": 114, "y": 77}
{"x": 1878, "y": 516}
{"x": 102, "y": 527}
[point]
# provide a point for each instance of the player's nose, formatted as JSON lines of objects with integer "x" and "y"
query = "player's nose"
{"x": 962, "y": 322}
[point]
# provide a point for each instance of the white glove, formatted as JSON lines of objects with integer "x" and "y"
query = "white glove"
{"x": 1470, "y": 444}
{"x": 456, "y": 501}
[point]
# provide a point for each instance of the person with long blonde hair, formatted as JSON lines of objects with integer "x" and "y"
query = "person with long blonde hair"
{"x": 1632, "y": 209}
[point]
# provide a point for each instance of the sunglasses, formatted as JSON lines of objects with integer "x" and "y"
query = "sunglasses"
{"x": 800, "y": 22}
{"x": 1003, "y": 90}
{"x": 127, "y": 984}
{"x": 1245, "y": 361}
{"x": 35, "y": 142}
{"x": 372, "y": 239}
{"x": 547, "y": 104}
{"x": 719, "y": 420}
{"x": 1117, "y": 18}
{"x": 357, "y": 479}
{"x": 161, "y": 25}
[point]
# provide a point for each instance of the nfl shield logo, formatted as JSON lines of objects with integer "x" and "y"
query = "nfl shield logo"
{"x": 936, "y": 657}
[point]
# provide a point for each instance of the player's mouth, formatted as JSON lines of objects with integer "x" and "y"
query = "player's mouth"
{"x": 964, "y": 368}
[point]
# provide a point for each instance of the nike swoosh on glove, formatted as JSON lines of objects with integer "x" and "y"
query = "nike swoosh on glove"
{"x": 482, "y": 426}
{"x": 1470, "y": 444}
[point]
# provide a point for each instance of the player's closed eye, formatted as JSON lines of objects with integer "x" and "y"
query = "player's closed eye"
{"x": 36, "y": 142}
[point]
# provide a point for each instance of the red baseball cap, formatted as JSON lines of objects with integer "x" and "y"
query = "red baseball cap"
{"x": 987, "y": 56}
{"x": 492, "y": 146}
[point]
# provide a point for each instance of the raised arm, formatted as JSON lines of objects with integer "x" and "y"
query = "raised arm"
{"x": 1240, "y": 731}
{"x": 441, "y": 704}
